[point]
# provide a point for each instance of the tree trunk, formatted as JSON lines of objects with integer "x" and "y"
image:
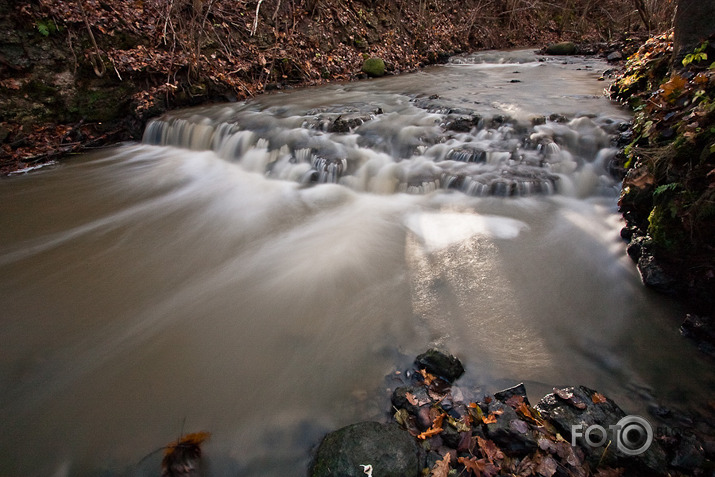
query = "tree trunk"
{"x": 694, "y": 23}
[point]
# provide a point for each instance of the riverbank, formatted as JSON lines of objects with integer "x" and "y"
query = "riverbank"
{"x": 668, "y": 194}
{"x": 85, "y": 74}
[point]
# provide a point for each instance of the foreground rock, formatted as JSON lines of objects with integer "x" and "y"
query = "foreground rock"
{"x": 389, "y": 451}
{"x": 574, "y": 431}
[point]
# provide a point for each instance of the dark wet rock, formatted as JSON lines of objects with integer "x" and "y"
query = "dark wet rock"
{"x": 386, "y": 447}
{"x": 462, "y": 124}
{"x": 440, "y": 364}
{"x": 451, "y": 436}
{"x": 582, "y": 406}
{"x": 344, "y": 125}
{"x": 689, "y": 455}
{"x": 638, "y": 246}
{"x": 628, "y": 232}
{"x": 614, "y": 56}
{"x": 410, "y": 398}
{"x": 374, "y": 67}
{"x": 653, "y": 275}
{"x": 658, "y": 411}
{"x": 563, "y": 48}
{"x": 518, "y": 390}
{"x": 509, "y": 432}
{"x": 700, "y": 329}
{"x": 499, "y": 120}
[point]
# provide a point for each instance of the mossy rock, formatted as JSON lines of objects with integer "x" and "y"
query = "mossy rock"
{"x": 374, "y": 67}
{"x": 563, "y": 48}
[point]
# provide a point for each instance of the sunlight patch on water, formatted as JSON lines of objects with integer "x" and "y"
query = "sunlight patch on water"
{"x": 440, "y": 230}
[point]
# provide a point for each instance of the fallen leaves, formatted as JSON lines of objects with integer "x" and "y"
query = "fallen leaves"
{"x": 568, "y": 396}
{"x": 435, "y": 429}
{"x": 183, "y": 457}
{"x": 479, "y": 467}
{"x": 441, "y": 467}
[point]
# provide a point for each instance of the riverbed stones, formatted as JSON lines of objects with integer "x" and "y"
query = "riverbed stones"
{"x": 386, "y": 447}
{"x": 440, "y": 364}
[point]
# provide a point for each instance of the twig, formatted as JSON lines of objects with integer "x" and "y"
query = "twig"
{"x": 99, "y": 67}
{"x": 255, "y": 21}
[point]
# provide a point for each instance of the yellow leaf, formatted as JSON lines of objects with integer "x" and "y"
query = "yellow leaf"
{"x": 490, "y": 419}
{"x": 427, "y": 376}
{"x": 673, "y": 87}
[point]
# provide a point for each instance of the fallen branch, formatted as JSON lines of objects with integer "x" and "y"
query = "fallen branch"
{"x": 255, "y": 21}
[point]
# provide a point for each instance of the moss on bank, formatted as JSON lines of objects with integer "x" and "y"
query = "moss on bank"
{"x": 669, "y": 191}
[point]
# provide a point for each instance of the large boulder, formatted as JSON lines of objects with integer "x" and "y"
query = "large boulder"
{"x": 374, "y": 67}
{"x": 390, "y": 451}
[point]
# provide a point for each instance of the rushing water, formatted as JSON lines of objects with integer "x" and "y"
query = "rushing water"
{"x": 256, "y": 269}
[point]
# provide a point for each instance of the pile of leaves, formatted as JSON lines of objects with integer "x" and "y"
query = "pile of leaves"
{"x": 503, "y": 434}
{"x": 669, "y": 192}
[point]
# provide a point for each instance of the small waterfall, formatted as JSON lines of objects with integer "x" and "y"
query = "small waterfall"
{"x": 419, "y": 151}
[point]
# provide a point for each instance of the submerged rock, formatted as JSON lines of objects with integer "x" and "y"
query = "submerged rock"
{"x": 386, "y": 447}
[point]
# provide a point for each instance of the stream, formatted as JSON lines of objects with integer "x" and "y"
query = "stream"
{"x": 261, "y": 269}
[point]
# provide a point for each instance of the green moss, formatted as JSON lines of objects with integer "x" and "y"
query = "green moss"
{"x": 665, "y": 228}
{"x": 374, "y": 67}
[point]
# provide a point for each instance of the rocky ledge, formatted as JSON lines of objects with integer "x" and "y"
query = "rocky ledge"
{"x": 574, "y": 431}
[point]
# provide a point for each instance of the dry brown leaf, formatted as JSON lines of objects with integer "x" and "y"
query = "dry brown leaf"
{"x": 428, "y": 378}
{"x": 441, "y": 467}
{"x": 598, "y": 398}
{"x": 515, "y": 401}
{"x": 432, "y": 431}
{"x": 435, "y": 429}
{"x": 480, "y": 468}
{"x": 489, "y": 449}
